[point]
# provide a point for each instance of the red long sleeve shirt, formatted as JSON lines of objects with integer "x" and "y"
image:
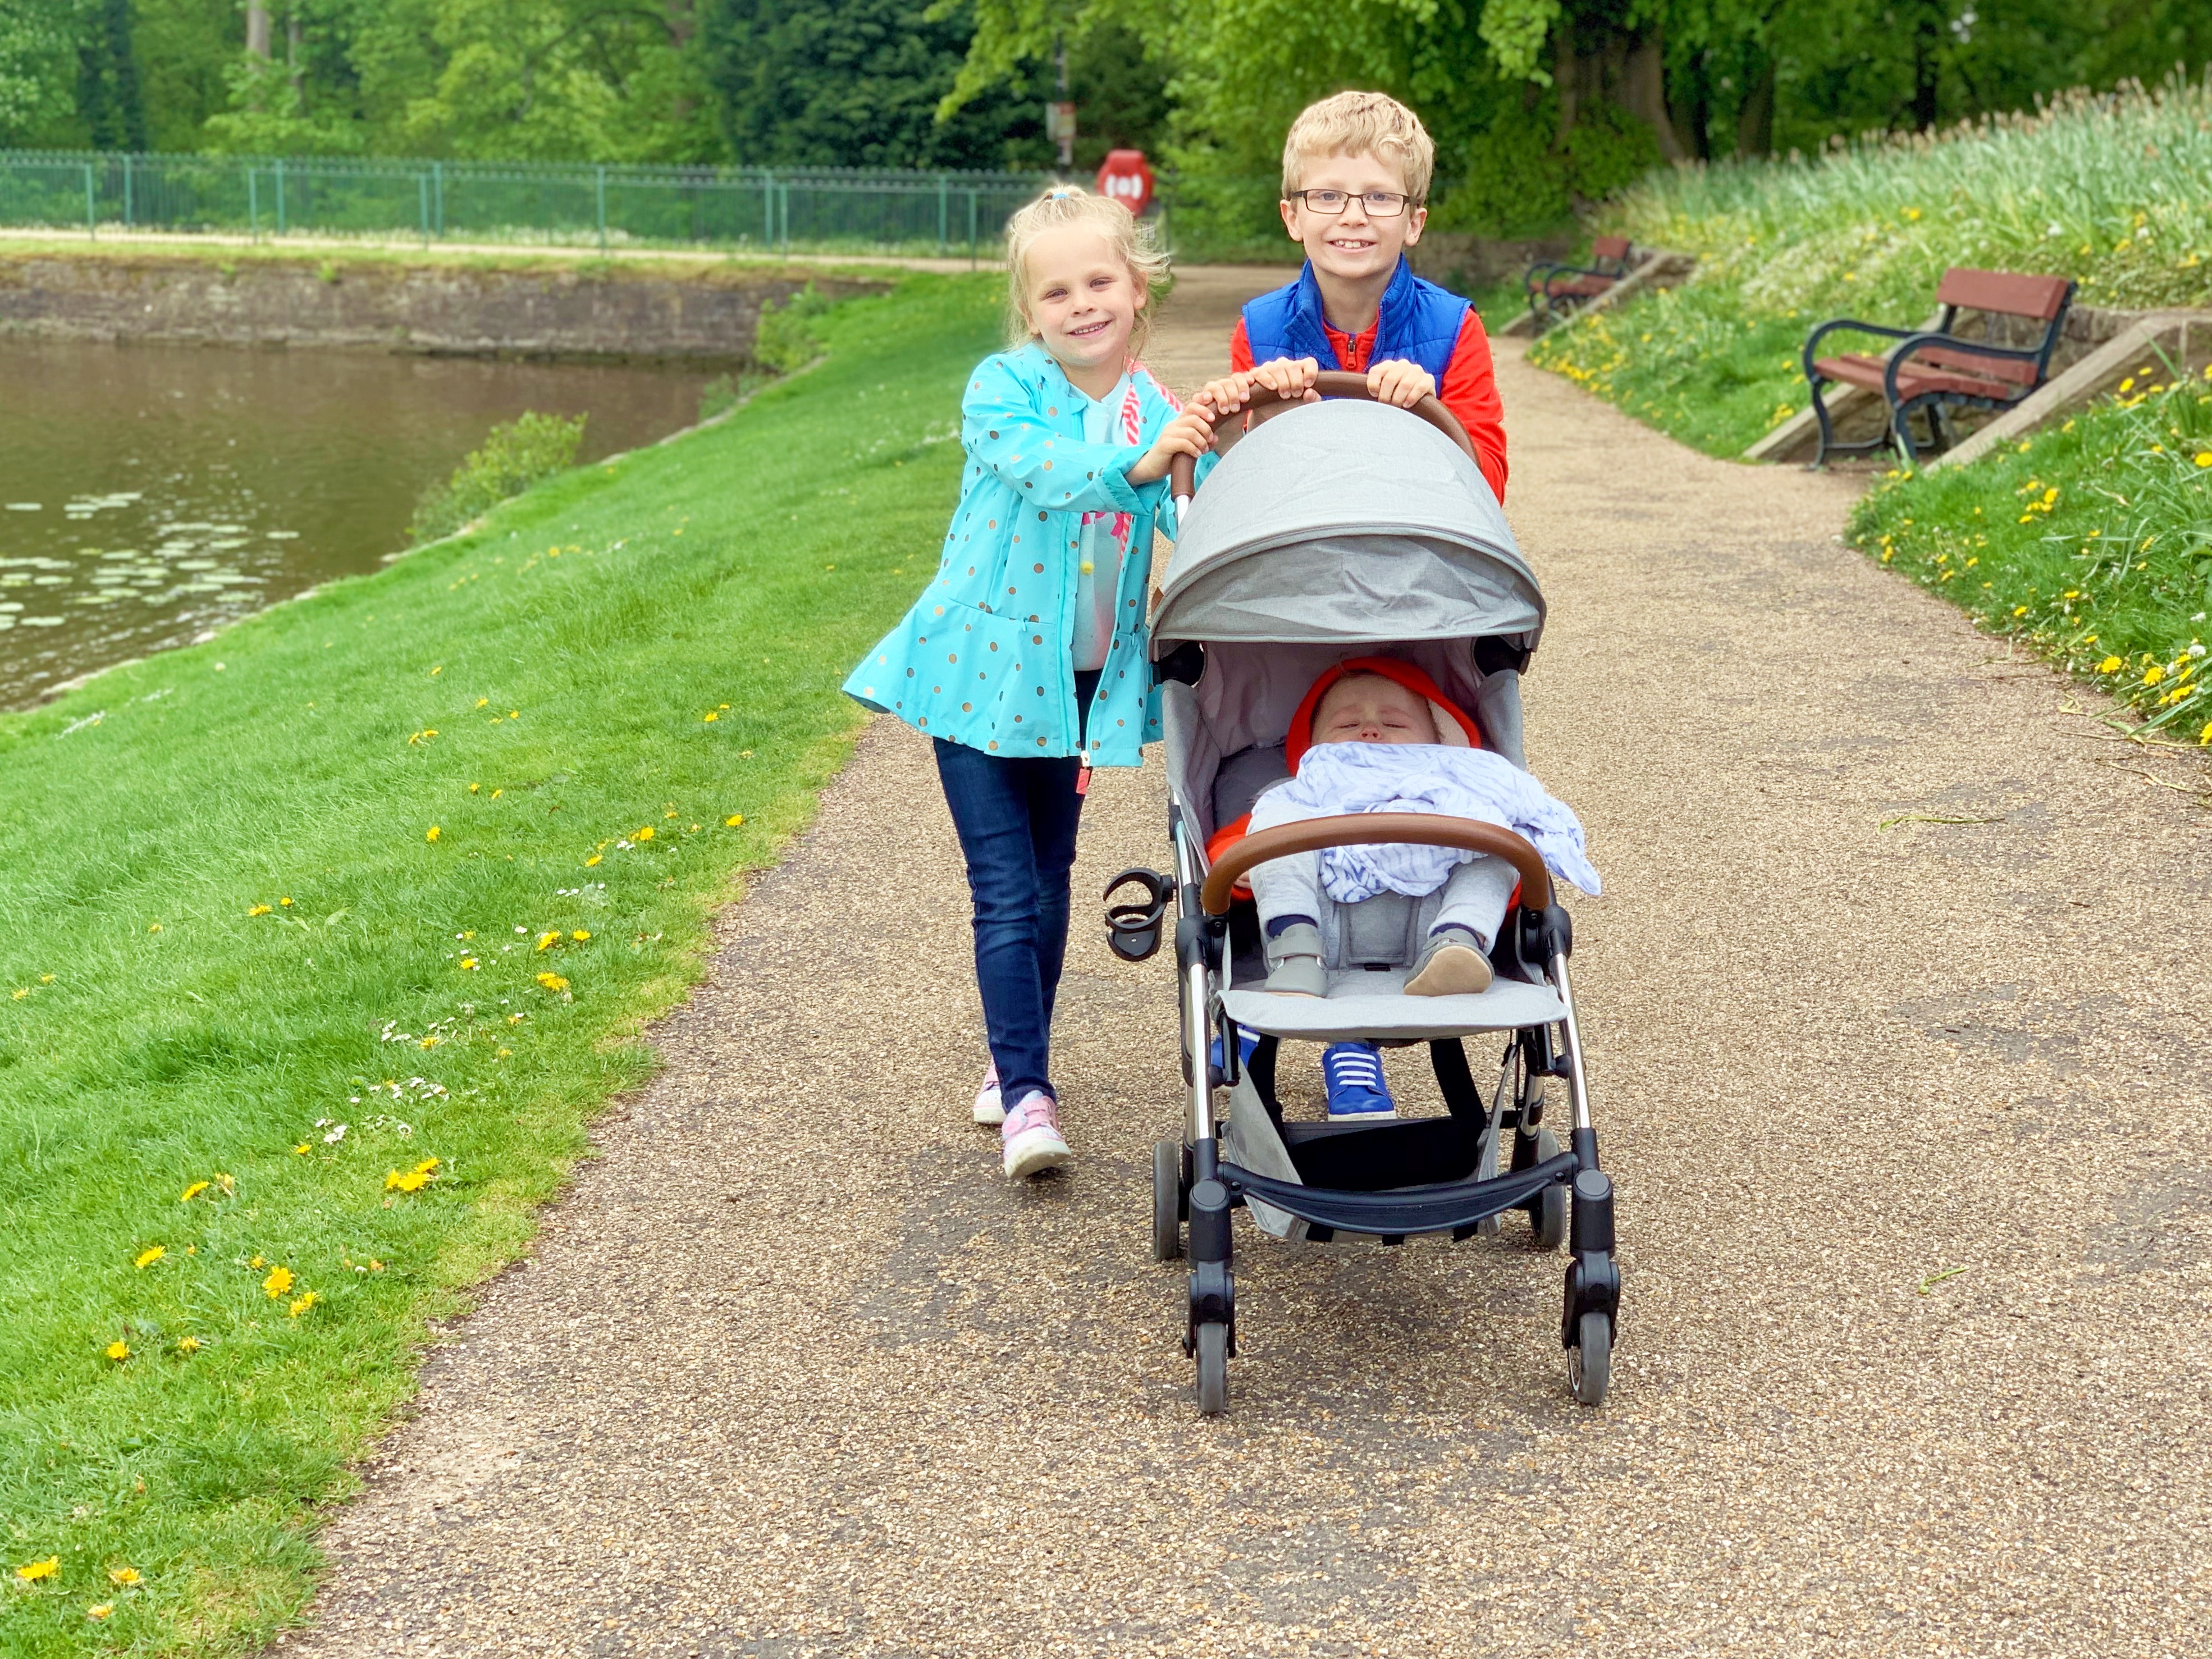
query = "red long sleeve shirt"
{"x": 1469, "y": 388}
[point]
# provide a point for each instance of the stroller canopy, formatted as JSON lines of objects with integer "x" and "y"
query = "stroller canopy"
{"x": 1346, "y": 523}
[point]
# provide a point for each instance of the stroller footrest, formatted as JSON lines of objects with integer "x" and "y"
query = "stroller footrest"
{"x": 1434, "y": 1209}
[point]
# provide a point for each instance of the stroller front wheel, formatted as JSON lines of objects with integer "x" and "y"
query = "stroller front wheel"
{"x": 1167, "y": 1200}
{"x": 1211, "y": 1351}
{"x": 1589, "y": 1361}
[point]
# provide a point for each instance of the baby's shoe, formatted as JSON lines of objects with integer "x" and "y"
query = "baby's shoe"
{"x": 1453, "y": 963}
{"x": 1294, "y": 967}
{"x": 990, "y": 1105}
{"x": 1353, "y": 1074}
{"x": 1030, "y": 1137}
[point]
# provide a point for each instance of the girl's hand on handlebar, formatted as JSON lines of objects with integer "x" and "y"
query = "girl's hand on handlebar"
{"x": 1399, "y": 383}
{"x": 1190, "y": 433}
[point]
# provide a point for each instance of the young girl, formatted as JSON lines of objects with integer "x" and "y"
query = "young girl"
{"x": 1024, "y": 660}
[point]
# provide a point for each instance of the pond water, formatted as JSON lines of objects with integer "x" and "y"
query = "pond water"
{"x": 150, "y": 493}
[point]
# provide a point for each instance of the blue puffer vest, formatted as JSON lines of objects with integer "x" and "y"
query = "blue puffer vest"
{"x": 1419, "y": 323}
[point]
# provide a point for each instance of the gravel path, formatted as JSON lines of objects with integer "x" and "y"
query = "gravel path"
{"x": 793, "y": 1372}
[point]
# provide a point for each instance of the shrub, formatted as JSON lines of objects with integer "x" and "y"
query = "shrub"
{"x": 784, "y": 340}
{"x": 511, "y": 458}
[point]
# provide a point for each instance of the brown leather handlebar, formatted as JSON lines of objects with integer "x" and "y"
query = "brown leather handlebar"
{"x": 1365, "y": 828}
{"x": 1264, "y": 405}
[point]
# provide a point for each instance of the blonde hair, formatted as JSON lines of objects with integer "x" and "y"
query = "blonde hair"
{"x": 1063, "y": 205}
{"x": 1361, "y": 123}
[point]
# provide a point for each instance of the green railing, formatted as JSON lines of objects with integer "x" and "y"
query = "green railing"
{"x": 760, "y": 208}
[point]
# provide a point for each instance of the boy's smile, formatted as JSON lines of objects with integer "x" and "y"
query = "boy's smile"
{"x": 1353, "y": 247}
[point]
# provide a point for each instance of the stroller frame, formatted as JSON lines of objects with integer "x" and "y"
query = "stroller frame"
{"x": 1375, "y": 1179}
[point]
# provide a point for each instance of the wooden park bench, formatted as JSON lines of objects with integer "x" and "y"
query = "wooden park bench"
{"x": 1936, "y": 369}
{"x": 1556, "y": 290}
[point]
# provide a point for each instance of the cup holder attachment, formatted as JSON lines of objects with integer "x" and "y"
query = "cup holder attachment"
{"x": 1133, "y": 926}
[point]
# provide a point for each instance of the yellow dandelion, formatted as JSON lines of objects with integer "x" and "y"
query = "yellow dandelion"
{"x": 592, "y": 861}
{"x": 468, "y": 962}
{"x": 646, "y": 833}
{"x": 412, "y": 1181}
{"x": 258, "y": 910}
{"x": 147, "y": 1258}
{"x": 31, "y": 1571}
{"x": 191, "y": 1192}
{"x": 184, "y": 1345}
{"x": 433, "y": 834}
{"x": 100, "y": 1610}
{"x": 117, "y": 1351}
{"x": 475, "y": 787}
{"x": 547, "y": 941}
{"x": 128, "y": 1576}
{"x": 579, "y": 936}
{"x": 553, "y": 981}
{"x": 2204, "y": 457}
{"x": 2152, "y": 675}
{"x": 2111, "y": 665}
{"x": 733, "y": 820}
{"x": 713, "y": 715}
{"x": 257, "y": 1263}
{"x": 302, "y": 1303}
{"x": 156, "y": 928}
{"x": 21, "y": 991}
{"x": 278, "y": 1282}
{"x": 284, "y": 903}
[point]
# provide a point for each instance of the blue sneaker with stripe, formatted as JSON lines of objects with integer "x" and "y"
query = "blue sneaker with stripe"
{"x": 1357, "y": 1093}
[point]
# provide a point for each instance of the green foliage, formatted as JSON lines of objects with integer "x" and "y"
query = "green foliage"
{"x": 513, "y": 456}
{"x": 1691, "y": 361}
{"x": 644, "y": 648}
{"x": 2091, "y": 543}
{"x": 787, "y": 339}
{"x": 2114, "y": 191}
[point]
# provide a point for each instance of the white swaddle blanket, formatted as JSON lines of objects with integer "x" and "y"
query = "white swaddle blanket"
{"x": 1336, "y": 777}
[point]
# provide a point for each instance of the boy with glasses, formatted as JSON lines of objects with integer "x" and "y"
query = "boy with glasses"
{"x": 1356, "y": 172}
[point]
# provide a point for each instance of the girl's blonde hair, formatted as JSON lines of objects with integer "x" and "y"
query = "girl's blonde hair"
{"x": 1129, "y": 237}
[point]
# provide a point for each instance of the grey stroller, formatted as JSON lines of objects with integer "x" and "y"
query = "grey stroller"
{"x": 1333, "y": 530}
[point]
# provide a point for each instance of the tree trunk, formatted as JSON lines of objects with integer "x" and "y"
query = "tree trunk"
{"x": 292, "y": 59}
{"x": 1643, "y": 93}
{"x": 257, "y": 28}
{"x": 1927, "y": 41}
{"x": 1755, "y": 122}
{"x": 1693, "y": 105}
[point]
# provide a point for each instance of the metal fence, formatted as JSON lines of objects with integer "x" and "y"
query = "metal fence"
{"x": 762, "y": 207}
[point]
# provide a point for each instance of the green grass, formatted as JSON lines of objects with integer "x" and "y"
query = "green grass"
{"x": 2091, "y": 543}
{"x": 245, "y": 885}
{"x": 2115, "y": 191}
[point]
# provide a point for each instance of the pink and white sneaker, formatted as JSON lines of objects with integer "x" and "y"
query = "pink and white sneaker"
{"x": 1030, "y": 1138}
{"x": 990, "y": 1105}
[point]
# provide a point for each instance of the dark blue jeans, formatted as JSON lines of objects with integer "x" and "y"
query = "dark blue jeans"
{"x": 1017, "y": 821}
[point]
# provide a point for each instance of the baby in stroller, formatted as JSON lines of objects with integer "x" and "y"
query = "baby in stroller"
{"x": 1373, "y": 734}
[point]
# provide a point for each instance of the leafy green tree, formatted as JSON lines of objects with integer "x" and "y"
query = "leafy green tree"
{"x": 38, "y": 39}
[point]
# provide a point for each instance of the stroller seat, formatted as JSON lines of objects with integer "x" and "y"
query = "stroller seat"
{"x": 1365, "y": 1005}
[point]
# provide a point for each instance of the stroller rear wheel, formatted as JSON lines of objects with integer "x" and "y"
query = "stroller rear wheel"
{"x": 1167, "y": 1200}
{"x": 1211, "y": 1351}
{"x": 1548, "y": 1215}
{"x": 1589, "y": 1361}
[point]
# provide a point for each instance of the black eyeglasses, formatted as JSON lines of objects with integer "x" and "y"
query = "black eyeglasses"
{"x": 1379, "y": 204}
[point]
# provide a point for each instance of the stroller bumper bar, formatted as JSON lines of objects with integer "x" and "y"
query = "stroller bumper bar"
{"x": 1446, "y": 1207}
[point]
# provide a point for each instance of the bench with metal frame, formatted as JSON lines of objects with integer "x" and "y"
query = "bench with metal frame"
{"x": 1934, "y": 370}
{"x": 1556, "y": 290}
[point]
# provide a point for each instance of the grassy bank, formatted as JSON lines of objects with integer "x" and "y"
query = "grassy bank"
{"x": 2114, "y": 191}
{"x": 320, "y": 944}
{"x": 2092, "y": 544}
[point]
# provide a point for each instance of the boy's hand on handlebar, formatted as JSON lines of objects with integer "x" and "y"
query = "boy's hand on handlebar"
{"x": 1190, "y": 433}
{"x": 1288, "y": 378}
{"x": 1400, "y": 383}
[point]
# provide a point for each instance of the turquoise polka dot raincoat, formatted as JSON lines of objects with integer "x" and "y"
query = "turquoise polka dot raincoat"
{"x": 984, "y": 657}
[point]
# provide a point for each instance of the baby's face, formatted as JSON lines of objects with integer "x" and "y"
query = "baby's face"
{"x": 1368, "y": 709}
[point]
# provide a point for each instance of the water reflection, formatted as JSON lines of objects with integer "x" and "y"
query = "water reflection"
{"x": 149, "y": 494}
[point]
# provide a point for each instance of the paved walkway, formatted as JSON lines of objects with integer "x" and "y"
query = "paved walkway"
{"x": 794, "y": 1373}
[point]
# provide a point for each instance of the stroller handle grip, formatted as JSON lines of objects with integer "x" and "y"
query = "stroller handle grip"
{"x": 1263, "y": 405}
{"x": 1367, "y": 829}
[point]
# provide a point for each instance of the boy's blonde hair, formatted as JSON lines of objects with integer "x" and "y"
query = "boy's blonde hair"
{"x": 1062, "y": 205}
{"x": 1361, "y": 123}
